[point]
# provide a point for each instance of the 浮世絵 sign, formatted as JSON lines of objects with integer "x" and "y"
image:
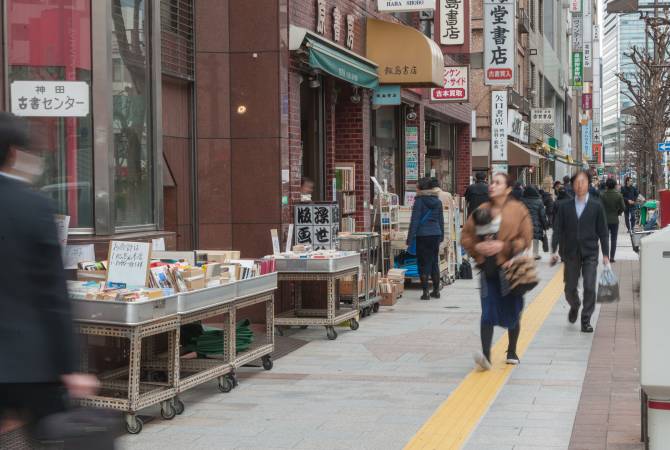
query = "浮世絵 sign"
{"x": 499, "y": 42}
{"x": 128, "y": 264}
{"x": 50, "y": 98}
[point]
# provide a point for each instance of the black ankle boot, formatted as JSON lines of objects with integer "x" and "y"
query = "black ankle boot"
{"x": 424, "y": 286}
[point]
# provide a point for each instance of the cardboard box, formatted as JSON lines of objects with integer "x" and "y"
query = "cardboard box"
{"x": 92, "y": 275}
{"x": 220, "y": 256}
{"x": 196, "y": 282}
{"x": 388, "y": 299}
{"x": 347, "y": 286}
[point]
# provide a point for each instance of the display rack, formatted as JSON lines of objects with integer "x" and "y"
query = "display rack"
{"x": 389, "y": 224}
{"x": 345, "y": 182}
{"x": 369, "y": 246}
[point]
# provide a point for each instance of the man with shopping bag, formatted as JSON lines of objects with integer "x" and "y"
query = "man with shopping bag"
{"x": 579, "y": 225}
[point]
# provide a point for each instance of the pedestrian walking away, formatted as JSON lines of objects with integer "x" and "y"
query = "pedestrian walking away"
{"x": 614, "y": 206}
{"x": 477, "y": 193}
{"x": 533, "y": 201}
{"x": 493, "y": 237}
{"x": 548, "y": 199}
{"x": 580, "y": 224}
{"x": 37, "y": 348}
{"x": 630, "y": 195}
{"x": 568, "y": 186}
{"x": 426, "y": 231}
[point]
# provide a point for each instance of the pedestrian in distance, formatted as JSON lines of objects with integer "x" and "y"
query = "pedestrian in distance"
{"x": 426, "y": 231}
{"x": 548, "y": 199}
{"x": 533, "y": 201}
{"x": 477, "y": 193}
{"x": 614, "y": 206}
{"x": 568, "y": 186}
{"x": 37, "y": 348}
{"x": 580, "y": 224}
{"x": 493, "y": 241}
{"x": 517, "y": 190}
{"x": 557, "y": 185}
{"x": 630, "y": 195}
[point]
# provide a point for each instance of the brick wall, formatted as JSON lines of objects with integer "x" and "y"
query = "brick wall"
{"x": 463, "y": 159}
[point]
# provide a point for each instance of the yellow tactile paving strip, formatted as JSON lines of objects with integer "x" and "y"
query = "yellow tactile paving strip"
{"x": 451, "y": 425}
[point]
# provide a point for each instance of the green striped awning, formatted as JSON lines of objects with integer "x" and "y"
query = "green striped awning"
{"x": 344, "y": 65}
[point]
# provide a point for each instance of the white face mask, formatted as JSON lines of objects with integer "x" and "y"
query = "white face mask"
{"x": 28, "y": 166}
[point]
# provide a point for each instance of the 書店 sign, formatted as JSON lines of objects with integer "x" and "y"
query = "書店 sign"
{"x": 405, "y": 5}
{"x": 587, "y": 141}
{"x": 455, "y": 86}
{"x": 577, "y": 74}
{"x": 499, "y": 42}
{"x": 498, "y": 125}
{"x": 452, "y": 22}
{"x": 577, "y": 32}
{"x": 517, "y": 127}
{"x": 411, "y": 153}
{"x": 386, "y": 95}
{"x": 587, "y": 101}
{"x": 50, "y": 98}
{"x": 542, "y": 116}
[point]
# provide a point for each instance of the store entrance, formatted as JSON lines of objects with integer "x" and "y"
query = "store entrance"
{"x": 387, "y": 162}
{"x": 312, "y": 136}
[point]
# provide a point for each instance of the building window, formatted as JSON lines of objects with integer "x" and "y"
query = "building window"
{"x": 540, "y": 90}
{"x": 540, "y": 10}
{"x": 532, "y": 15}
{"x": 177, "y": 52}
{"x": 38, "y": 51}
{"x": 427, "y": 24}
{"x": 132, "y": 114}
{"x": 532, "y": 91}
{"x": 518, "y": 78}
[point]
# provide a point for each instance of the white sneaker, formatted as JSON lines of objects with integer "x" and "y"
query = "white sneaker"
{"x": 482, "y": 361}
{"x": 512, "y": 359}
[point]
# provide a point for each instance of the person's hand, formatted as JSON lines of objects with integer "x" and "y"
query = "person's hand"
{"x": 80, "y": 385}
{"x": 554, "y": 259}
{"x": 606, "y": 260}
{"x": 489, "y": 248}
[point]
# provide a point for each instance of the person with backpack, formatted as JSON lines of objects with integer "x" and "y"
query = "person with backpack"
{"x": 531, "y": 198}
{"x": 477, "y": 193}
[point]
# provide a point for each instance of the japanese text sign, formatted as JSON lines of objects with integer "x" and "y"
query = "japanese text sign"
{"x": 50, "y": 98}
{"x": 455, "y": 88}
{"x": 452, "y": 22}
{"x": 577, "y": 69}
{"x": 587, "y": 141}
{"x": 516, "y": 126}
{"x": 411, "y": 153}
{"x": 498, "y": 125}
{"x": 128, "y": 265}
{"x": 575, "y": 6}
{"x": 499, "y": 42}
{"x": 405, "y": 5}
{"x": 577, "y": 32}
{"x": 587, "y": 101}
{"x": 542, "y": 116}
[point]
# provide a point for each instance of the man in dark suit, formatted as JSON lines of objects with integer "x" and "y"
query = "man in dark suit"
{"x": 37, "y": 345}
{"x": 477, "y": 193}
{"x": 579, "y": 225}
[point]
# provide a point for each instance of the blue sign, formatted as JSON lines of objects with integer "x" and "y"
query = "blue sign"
{"x": 386, "y": 95}
{"x": 587, "y": 141}
{"x": 663, "y": 146}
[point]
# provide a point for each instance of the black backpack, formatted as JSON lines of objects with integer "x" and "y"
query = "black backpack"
{"x": 465, "y": 271}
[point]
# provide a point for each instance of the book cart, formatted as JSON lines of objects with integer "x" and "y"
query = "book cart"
{"x": 369, "y": 247}
{"x": 294, "y": 271}
{"x": 132, "y": 388}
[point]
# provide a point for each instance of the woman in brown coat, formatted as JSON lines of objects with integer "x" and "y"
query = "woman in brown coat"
{"x": 509, "y": 231}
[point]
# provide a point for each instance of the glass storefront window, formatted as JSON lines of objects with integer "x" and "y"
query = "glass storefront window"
{"x": 131, "y": 91}
{"x": 386, "y": 144}
{"x": 38, "y": 50}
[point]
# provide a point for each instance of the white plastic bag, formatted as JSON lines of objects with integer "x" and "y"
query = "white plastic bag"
{"x": 608, "y": 286}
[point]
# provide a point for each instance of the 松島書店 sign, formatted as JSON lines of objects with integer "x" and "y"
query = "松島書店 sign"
{"x": 405, "y": 5}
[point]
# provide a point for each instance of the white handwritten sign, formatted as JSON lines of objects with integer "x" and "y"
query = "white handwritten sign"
{"x": 128, "y": 264}
{"x": 50, "y": 98}
{"x": 62, "y": 227}
{"x": 74, "y": 254}
{"x": 158, "y": 245}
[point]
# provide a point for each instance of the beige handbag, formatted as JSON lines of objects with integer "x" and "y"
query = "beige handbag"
{"x": 521, "y": 275}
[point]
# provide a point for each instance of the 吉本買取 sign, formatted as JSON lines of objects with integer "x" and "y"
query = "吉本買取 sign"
{"x": 452, "y": 22}
{"x": 499, "y": 42}
{"x": 455, "y": 88}
{"x": 50, "y": 98}
{"x": 498, "y": 125}
{"x": 542, "y": 116}
{"x": 405, "y": 5}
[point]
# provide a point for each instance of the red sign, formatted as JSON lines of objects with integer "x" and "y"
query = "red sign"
{"x": 598, "y": 153}
{"x": 587, "y": 101}
{"x": 499, "y": 74}
{"x": 455, "y": 85}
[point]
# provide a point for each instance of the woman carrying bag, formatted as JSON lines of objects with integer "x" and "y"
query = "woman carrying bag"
{"x": 501, "y": 301}
{"x": 426, "y": 232}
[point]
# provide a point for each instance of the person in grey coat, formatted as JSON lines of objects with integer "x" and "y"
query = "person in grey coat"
{"x": 533, "y": 201}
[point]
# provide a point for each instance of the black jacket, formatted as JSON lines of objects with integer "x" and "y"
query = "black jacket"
{"x": 533, "y": 202}
{"x": 427, "y": 217}
{"x": 475, "y": 195}
{"x": 548, "y": 201}
{"x": 36, "y": 335}
{"x": 629, "y": 193}
{"x": 572, "y": 235}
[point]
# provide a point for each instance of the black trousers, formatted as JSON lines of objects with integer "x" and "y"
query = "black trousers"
{"x": 614, "y": 231}
{"x": 587, "y": 267}
{"x": 629, "y": 217}
{"x": 32, "y": 401}
{"x": 428, "y": 255}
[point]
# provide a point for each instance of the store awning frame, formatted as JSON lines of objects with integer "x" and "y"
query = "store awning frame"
{"x": 334, "y": 59}
{"x": 519, "y": 155}
{"x": 405, "y": 56}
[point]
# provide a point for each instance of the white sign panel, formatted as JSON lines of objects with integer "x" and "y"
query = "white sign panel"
{"x": 499, "y": 167}
{"x": 499, "y": 42}
{"x": 596, "y": 33}
{"x": 452, "y": 22}
{"x": 50, "y": 98}
{"x": 587, "y": 27}
{"x": 74, "y": 254}
{"x": 128, "y": 264}
{"x": 577, "y": 32}
{"x": 576, "y": 6}
{"x": 597, "y": 137}
{"x": 455, "y": 86}
{"x": 517, "y": 127}
{"x": 498, "y": 125}
{"x": 405, "y": 5}
{"x": 542, "y": 115}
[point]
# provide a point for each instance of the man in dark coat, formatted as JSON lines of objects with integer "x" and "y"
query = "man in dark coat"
{"x": 477, "y": 193}
{"x": 630, "y": 194}
{"x": 531, "y": 198}
{"x": 580, "y": 224}
{"x": 37, "y": 345}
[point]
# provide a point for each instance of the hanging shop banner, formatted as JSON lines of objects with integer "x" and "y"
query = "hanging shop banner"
{"x": 597, "y": 135}
{"x": 577, "y": 32}
{"x": 50, "y": 98}
{"x": 587, "y": 101}
{"x": 499, "y": 167}
{"x": 498, "y": 125}
{"x": 587, "y": 141}
{"x": 411, "y": 153}
{"x": 456, "y": 85}
{"x": 405, "y": 5}
{"x": 517, "y": 127}
{"x": 576, "y": 6}
{"x": 587, "y": 45}
{"x": 499, "y": 42}
{"x": 598, "y": 153}
{"x": 386, "y": 94}
{"x": 577, "y": 69}
{"x": 542, "y": 116}
{"x": 452, "y": 22}
{"x": 596, "y": 33}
